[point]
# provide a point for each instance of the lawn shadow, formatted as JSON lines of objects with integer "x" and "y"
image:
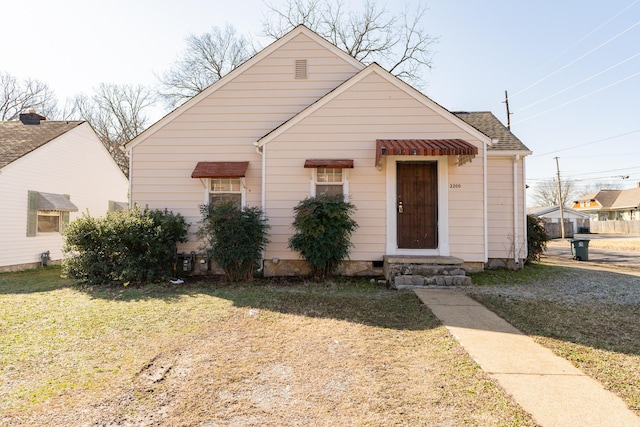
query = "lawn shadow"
{"x": 347, "y": 299}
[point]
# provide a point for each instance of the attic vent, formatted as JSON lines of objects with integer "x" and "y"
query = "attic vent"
{"x": 301, "y": 68}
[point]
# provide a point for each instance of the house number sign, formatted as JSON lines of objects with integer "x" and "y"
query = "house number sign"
{"x": 455, "y": 185}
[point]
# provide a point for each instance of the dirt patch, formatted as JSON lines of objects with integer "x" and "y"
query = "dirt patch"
{"x": 335, "y": 365}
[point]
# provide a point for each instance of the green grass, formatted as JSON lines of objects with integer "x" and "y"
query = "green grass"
{"x": 531, "y": 274}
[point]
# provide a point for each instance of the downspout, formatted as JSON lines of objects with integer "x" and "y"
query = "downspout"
{"x": 516, "y": 232}
{"x": 130, "y": 178}
{"x": 525, "y": 224}
{"x": 262, "y": 150}
{"x": 263, "y": 197}
{"x": 486, "y": 202}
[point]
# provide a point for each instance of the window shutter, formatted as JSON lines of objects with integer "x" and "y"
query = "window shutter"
{"x": 65, "y": 216}
{"x": 65, "y": 220}
{"x": 32, "y": 213}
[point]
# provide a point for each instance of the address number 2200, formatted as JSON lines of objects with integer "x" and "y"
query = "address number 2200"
{"x": 455, "y": 185}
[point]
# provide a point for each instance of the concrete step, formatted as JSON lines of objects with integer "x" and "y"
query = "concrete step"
{"x": 418, "y": 281}
{"x": 409, "y": 272}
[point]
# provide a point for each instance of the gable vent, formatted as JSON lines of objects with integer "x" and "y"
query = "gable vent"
{"x": 301, "y": 68}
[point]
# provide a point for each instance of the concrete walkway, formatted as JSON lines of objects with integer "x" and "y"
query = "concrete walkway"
{"x": 548, "y": 387}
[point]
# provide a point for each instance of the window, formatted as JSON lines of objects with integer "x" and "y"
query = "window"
{"x": 49, "y": 221}
{"x": 224, "y": 190}
{"x": 47, "y": 212}
{"x": 329, "y": 181}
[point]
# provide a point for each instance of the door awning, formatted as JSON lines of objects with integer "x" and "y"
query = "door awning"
{"x": 220, "y": 170}
{"x": 55, "y": 202}
{"x": 329, "y": 163}
{"x": 425, "y": 147}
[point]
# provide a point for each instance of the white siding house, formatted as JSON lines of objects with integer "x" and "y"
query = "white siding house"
{"x": 50, "y": 173}
{"x": 301, "y": 115}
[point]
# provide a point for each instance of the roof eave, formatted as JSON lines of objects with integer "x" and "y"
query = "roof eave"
{"x": 508, "y": 153}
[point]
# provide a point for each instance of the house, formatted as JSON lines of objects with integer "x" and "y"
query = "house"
{"x": 611, "y": 205}
{"x": 302, "y": 117}
{"x": 575, "y": 221}
{"x": 612, "y": 211}
{"x": 50, "y": 173}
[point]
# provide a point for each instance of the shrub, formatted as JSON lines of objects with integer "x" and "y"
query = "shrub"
{"x": 128, "y": 246}
{"x": 323, "y": 228}
{"x": 234, "y": 238}
{"x": 537, "y": 238}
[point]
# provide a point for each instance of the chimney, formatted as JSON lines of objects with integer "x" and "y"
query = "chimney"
{"x": 31, "y": 118}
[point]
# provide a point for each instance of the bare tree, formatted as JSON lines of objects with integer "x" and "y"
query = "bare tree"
{"x": 19, "y": 96}
{"x": 118, "y": 113}
{"x": 546, "y": 193}
{"x": 397, "y": 42}
{"x": 208, "y": 58}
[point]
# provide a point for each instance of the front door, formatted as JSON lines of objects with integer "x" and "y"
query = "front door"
{"x": 417, "y": 205}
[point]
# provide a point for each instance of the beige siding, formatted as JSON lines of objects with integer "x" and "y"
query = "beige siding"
{"x": 501, "y": 228}
{"x": 224, "y": 126}
{"x": 347, "y": 127}
{"x": 77, "y": 164}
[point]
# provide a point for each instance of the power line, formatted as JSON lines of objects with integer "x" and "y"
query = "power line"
{"x": 588, "y": 143}
{"x": 576, "y": 60}
{"x": 579, "y": 83}
{"x": 582, "y": 39}
{"x": 580, "y": 97}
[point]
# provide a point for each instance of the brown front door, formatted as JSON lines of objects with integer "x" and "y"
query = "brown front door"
{"x": 417, "y": 205}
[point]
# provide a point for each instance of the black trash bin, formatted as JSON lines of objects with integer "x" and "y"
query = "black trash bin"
{"x": 580, "y": 249}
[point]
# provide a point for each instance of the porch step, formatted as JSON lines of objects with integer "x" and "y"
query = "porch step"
{"x": 409, "y": 272}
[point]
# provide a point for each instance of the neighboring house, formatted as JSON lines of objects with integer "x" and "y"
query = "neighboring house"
{"x": 50, "y": 173}
{"x": 302, "y": 117}
{"x": 611, "y": 205}
{"x": 575, "y": 221}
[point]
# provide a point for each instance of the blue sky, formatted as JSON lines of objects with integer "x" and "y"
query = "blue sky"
{"x": 572, "y": 68}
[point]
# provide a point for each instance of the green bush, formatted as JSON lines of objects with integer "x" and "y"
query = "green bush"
{"x": 127, "y": 246}
{"x": 537, "y": 238}
{"x": 323, "y": 228}
{"x": 234, "y": 238}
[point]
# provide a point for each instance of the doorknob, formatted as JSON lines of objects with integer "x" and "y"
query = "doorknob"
{"x": 400, "y": 208}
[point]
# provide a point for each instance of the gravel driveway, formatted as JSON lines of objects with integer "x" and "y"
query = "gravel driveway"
{"x": 609, "y": 277}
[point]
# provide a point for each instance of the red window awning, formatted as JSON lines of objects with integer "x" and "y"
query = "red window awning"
{"x": 423, "y": 147}
{"x": 329, "y": 163}
{"x": 220, "y": 170}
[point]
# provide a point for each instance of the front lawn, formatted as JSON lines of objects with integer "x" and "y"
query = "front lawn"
{"x": 203, "y": 353}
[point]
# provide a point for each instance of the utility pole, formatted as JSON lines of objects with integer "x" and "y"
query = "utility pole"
{"x": 506, "y": 101}
{"x": 560, "y": 201}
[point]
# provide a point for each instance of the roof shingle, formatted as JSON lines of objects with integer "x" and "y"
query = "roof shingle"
{"x": 18, "y": 139}
{"x": 489, "y": 124}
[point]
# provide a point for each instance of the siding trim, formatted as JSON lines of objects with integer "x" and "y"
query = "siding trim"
{"x": 443, "y": 248}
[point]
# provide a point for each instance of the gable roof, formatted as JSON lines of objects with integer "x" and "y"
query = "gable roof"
{"x": 300, "y": 29}
{"x": 378, "y": 70}
{"x": 541, "y": 211}
{"x": 18, "y": 139}
{"x": 629, "y": 198}
{"x": 614, "y": 199}
{"x": 489, "y": 124}
{"x": 605, "y": 198}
